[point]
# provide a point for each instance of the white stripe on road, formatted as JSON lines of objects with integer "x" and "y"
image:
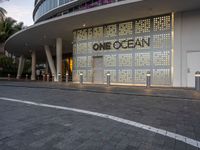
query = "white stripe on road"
{"x": 166, "y": 133}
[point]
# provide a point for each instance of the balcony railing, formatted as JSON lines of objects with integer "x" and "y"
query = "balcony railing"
{"x": 49, "y": 5}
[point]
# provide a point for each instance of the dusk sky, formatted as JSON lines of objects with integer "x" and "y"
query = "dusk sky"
{"x": 20, "y": 10}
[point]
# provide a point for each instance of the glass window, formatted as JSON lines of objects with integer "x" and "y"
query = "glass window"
{"x": 48, "y": 5}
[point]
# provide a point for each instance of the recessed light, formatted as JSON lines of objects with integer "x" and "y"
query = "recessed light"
{"x": 84, "y": 25}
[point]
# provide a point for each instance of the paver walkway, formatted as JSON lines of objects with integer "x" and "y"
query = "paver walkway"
{"x": 31, "y": 127}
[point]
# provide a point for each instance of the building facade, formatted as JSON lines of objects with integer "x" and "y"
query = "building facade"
{"x": 127, "y": 50}
{"x": 125, "y": 38}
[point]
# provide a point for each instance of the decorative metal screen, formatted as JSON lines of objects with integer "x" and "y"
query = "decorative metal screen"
{"x": 127, "y": 65}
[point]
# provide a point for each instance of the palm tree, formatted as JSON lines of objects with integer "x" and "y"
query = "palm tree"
{"x": 3, "y": 12}
{"x": 18, "y": 26}
{"x": 7, "y": 28}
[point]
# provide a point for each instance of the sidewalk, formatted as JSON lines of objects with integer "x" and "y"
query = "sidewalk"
{"x": 168, "y": 92}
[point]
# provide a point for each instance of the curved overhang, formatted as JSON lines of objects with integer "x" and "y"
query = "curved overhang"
{"x": 46, "y": 32}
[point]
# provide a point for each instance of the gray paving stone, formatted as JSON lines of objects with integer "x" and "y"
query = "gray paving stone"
{"x": 180, "y": 146}
{"x": 30, "y": 127}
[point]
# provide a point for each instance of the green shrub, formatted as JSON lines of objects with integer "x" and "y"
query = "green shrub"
{"x": 7, "y": 66}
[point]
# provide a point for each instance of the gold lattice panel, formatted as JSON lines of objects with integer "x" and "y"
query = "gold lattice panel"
{"x": 110, "y": 30}
{"x": 111, "y": 46}
{"x": 84, "y": 75}
{"x": 89, "y": 63}
{"x": 125, "y": 44}
{"x": 109, "y": 60}
{"x": 142, "y": 26}
{"x": 125, "y": 60}
{"x": 74, "y": 49}
{"x": 149, "y": 50}
{"x": 113, "y": 76}
{"x": 74, "y": 35}
{"x": 161, "y": 76}
{"x": 89, "y": 75}
{"x": 81, "y": 48}
{"x": 162, "y": 41}
{"x": 162, "y": 23}
{"x": 89, "y": 33}
{"x": 76, "y": 75}
{"x": 125, "y": 76}
{"x": 74, "y": 63}
{"x": 81, "y": 34}
{"x": 161, "y": 58}
{"x": 81, "y": 61}
{"x": 126, "y": 28}
{"x": 90, "y": 45}
{"x": 140, "y": 76}
{"x": 142, "y": 40}
{"x": 98, "y": 32}
{"x": 142, "y": 59}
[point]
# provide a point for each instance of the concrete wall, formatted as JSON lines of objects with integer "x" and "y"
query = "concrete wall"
{"x": 186, "y": 39}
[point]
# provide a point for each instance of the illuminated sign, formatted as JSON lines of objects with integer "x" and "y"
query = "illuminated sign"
{"x": 125, "y": 44}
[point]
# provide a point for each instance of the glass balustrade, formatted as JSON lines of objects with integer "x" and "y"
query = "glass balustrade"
{"x": 48, "y": 5}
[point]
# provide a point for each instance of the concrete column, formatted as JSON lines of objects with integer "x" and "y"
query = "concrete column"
{"x": 20, "y": 67}
{"x": 50, "y": 61}
{"x": 59, "y": 56}
{"x": 23, "y": 62}
{"x": 33, "y": 68}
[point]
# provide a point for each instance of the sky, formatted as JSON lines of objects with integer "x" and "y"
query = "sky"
{"x": 20, "y": 10}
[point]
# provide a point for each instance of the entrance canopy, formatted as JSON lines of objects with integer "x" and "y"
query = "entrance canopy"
{"x": 46, "y": 32}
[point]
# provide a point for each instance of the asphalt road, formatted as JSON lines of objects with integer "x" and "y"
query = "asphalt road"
{"x": 32, "y": 127}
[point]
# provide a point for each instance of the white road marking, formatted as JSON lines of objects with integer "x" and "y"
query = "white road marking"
{"x": 175, "y": 136}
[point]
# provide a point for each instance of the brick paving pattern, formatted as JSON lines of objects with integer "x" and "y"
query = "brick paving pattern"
{"x": 25, "y": 127}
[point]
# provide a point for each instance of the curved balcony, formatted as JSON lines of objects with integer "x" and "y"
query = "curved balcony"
{"x": 45, "y": 9}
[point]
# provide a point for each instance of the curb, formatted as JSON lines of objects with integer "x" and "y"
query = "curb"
{"x": 107, "y": 92}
